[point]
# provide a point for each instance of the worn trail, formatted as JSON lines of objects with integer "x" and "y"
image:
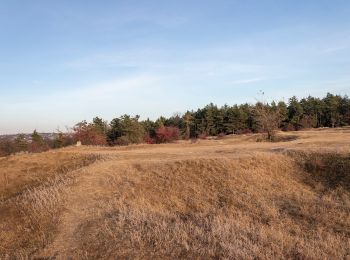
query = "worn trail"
{"x": 81, "y": 202}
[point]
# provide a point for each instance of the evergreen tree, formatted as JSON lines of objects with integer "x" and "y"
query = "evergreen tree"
{"x": 283, "y": 110}
{"x": 210, "y": 128}
{"x": 295, "y": 112}
{"x": 126, "y": 127}
{"x": 100, "y": 125}
{"x": 37, "y": 138}
{"x": 188, "y": 122}
{"x": 59, "y": 141}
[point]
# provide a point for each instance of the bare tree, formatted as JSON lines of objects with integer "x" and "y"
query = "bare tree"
{"x": 268, "y": 118}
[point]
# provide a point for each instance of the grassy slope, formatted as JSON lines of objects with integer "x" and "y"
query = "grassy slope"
{"x": 230, "y": 198}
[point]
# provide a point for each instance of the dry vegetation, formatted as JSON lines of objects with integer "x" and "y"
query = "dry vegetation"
{"x": 231, "y": 198}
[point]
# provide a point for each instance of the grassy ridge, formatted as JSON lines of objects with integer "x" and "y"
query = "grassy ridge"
{"x": 227, "y": 198}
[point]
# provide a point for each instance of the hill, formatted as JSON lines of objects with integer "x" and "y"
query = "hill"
{"x": 230, "y": 197}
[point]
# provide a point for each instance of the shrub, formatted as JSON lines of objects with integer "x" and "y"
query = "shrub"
{"x": 38, "y": 143}
{"x": 167, "y": 134}
{"x": 288, "y": 127}
{"x": 36, "y": 147}
{"x": 88, "y": 135}
{"x": 148, "y": 139}
{"x": 63, "y": 140}
{"x": 7, "y": 147}
{"x": 58, "y": 141}
{"x": 123, "y": 140}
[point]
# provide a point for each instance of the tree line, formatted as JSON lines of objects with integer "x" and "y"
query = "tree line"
{"x": 211, "y": 120}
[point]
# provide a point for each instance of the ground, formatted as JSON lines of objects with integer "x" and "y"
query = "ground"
{"x": 234, "y": 197}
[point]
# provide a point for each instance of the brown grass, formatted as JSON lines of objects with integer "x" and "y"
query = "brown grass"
{"x": 32, "y": 202}
{"x": 231, "y": 198}
{"x": 19, "y": 172}
{"x": 256, "y": 207}
{"x": 331, "y": 168}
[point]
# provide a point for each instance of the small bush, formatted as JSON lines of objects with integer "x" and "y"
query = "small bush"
{"x": 36, "y": 147}
{"x": 123, "y": 140}
{"x": 88, "y": 135}
{"x": 7, "y": 147}
{"x": 288, "y": 127}
{"x": 167, "y": 134}
{"x": 148, "y": 139}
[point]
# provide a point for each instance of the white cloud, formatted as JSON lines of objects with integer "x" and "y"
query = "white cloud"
{"x": 247, "y": 81}
{"x": 108, "y": 89}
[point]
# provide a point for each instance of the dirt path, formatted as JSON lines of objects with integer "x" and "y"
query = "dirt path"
{"x": 81, "y": 201}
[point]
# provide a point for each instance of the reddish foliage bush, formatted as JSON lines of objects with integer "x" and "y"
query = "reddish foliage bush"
{"x": 89, "y": 136}
{"x": 36, "y": 147}
{"x": 68, "y": 140}
{"x": 148, "y": 139}
{"x": 167, "y": 134}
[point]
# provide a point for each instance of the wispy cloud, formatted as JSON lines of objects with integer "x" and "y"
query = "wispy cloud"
{"x": 203, "y": 62}
{"x": 114, "y": 88}
{"x": 247, "y": 81}
{"x": 335, "y": 49}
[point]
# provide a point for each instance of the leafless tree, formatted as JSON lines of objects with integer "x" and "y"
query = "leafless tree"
{"x": 268, "y": 118}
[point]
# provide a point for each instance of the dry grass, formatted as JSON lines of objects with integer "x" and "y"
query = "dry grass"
{"x": 330, "y": 168}
{"x": 35, "y": 214}
{"x": 251, "y": 208}
{"x": 231, "y": 198}
{"x": 19, "y": 172}
{"x": 31, "y": 204}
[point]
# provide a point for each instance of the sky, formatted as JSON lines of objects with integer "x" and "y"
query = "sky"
{"x": 62, "y": 62}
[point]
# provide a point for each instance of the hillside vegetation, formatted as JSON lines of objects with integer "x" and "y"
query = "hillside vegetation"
{"x": 209, "y": 121}
{"x": 226, "y": 198}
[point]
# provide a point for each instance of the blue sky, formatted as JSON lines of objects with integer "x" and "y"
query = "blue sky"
{"x": 65, "y": 61}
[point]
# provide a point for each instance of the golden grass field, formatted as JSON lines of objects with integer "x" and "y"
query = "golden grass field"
{"x": 229, "y": 198}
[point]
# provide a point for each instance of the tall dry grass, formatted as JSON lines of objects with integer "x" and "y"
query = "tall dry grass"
{"x": 29, "y": 216}
{"x": 34, "y": 219}
{"x": 256, "y": 208}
